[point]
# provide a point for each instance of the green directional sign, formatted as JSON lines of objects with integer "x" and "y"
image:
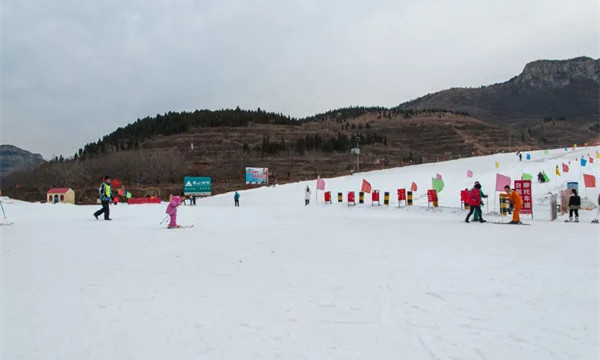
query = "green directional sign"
{"x": 197, "y": 186}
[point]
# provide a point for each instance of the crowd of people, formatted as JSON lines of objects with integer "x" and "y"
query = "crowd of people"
{"x": 474, "y": 200}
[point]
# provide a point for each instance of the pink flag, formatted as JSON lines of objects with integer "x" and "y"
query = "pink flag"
{"x": 366, "y": 187}
{"x": 501, "y": 182}
{"x": 438, "y": 176}
{"x": 413, "y": 187}
{"x": 589, "y": 180}
{"x": 320, "y": 184}
{"x": 469, "y": 173}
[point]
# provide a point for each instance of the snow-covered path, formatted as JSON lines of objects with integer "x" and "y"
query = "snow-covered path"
{"x": 274, "y": 279}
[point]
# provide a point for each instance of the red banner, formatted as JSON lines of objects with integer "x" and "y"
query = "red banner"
{"x": 523, "y": 187}
{"x": 431, "y": 195}
{"x": 401, "y": 194}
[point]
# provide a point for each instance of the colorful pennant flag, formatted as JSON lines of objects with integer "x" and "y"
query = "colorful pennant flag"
{"x": 526, "y": 176}
{"x": 501, "y": 182}
{"x": 366, "y": 187}
{"x": 528, "y": 157}
{"x": 497, "y": 165}
{"x": 597, "y": 155}
{"x": 583, "y": 162}
{"x": 546, "y": 178}
{"x": 437, "y": 184}
{"x": 320, "y": 184}
{"x": 413, "y": 187}
{"x": 565, "y": 167}
{"x": 557, "y": 171}
{"x": 591, "y": 160}
{"x": 545, "y": 152}
{"x": 589, "y": 180}
{"x": 438, "y": 176}
{"x": 469, "y": 173}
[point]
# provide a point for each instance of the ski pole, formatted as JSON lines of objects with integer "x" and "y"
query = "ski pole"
{"x": 2, "y": 206}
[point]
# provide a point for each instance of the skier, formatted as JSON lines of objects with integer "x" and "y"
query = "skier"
{"x": 172, "y": 210}
{"x": 595, "y": 221}
{"x": 482, "y": 196}
{"x": 307, "y": 196}
{"x": 105, "y": 197}
{"x": 515, "y": 199}
{"x": 574, "y": 205}
{"x": 475, "y": 203}
{"x": 236, "y": 199}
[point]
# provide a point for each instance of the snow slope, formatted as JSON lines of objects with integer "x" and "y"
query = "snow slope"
{"x": 275, "y": 279}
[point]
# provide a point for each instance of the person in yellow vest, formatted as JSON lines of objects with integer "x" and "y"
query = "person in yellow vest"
{"x": 105, "y": 198}
{"x": 517, "y": 202}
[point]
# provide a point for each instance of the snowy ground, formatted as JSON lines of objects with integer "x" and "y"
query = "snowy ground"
{"x": 274, "y": 279}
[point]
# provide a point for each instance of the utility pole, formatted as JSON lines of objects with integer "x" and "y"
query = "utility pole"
{"x": 357, "y": 153}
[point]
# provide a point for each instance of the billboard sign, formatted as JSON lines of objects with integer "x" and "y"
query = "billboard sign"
{"x": 257, "y": 175}
{"x": 523, "y": 187}
{"x": 201, "y": 186}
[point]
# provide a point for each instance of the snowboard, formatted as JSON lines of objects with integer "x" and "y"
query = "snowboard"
{"x": 181, "y": 227}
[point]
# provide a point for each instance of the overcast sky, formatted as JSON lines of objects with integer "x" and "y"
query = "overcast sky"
{"x": 73, "y": 70}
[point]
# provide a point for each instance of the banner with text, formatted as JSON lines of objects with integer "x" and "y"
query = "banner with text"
{"x": 201, "y": 186}
{"x": 523, "y": 187}
{"x": 257, "y": 175}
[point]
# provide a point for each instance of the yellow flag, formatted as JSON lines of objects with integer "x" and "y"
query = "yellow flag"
{"x": 598, "y": 155}
{"x": 497, "y": 165}
{"x": 557, "y": 171}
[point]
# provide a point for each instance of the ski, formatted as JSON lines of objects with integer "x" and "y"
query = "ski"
{"x": 181, "y": 227}
{"x": 6, "y": 224}
{"x": 506, "y": 223}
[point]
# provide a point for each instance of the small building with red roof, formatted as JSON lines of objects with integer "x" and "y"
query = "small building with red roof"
{"x": 61, "y": 195}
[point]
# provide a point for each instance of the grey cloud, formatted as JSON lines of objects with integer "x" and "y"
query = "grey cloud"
{"x": 92, "y": 67}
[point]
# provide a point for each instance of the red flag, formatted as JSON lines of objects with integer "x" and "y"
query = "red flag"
{"x": 413, "y": 187}
{"x": 591, "y": 160}
{"x": 565, "y": 167}
{"x": 469, "y": 173}
{"x": 320, "y": 184}
{"x": 589, "y": 180}
{"x": 438, "y": 176}
{"x": 366, "y": 187}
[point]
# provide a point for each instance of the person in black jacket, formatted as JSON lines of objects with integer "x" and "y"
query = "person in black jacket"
{"x": 574, "y": 205}
{"x": 105, "y": 197}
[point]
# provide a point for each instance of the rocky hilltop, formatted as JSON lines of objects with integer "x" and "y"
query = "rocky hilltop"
{"x": 13, "y": 158}
{"x": 546, "y": 90}
{"x": 559, "y": 73}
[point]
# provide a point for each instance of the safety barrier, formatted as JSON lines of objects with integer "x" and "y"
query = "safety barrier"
{"x": 432, "y": 198}
{"x": 375, "y": 197}
{"x": 503, "y": 204}
{"x": 401, "y": 196}
{"x": 351, "y": 198}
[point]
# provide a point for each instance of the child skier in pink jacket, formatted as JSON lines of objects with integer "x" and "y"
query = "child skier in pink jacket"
{"x": 172, "y": 210}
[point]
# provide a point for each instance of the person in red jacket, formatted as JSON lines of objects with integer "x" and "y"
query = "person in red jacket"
{"x": 475, "y": 203}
